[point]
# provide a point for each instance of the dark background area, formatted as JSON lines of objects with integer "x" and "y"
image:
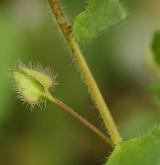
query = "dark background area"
{"x": 120, "y": 60}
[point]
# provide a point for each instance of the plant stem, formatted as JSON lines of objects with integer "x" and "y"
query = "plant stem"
{"x": 81, "y": 119}
{"x": 85, "y": 72}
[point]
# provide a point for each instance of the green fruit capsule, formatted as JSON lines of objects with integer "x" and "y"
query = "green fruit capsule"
{"x": 31, "y": 85}
{"x": 31, "y": 91}
{"x": 41, "y": 77}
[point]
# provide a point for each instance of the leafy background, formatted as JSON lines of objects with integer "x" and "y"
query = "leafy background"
{"x": 120, "y": 59}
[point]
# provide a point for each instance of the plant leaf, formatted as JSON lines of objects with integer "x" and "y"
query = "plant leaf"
{"x": 99, "y": 15}
{"x": 12, "y": 47}
{"x": 144, "y": 150}
{"x": 154, "y": 89}
{"x": 156, "y": 47}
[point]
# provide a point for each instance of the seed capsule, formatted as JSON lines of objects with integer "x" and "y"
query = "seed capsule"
{"x": 31, "y": 85}
{"x": 41, "y": 77}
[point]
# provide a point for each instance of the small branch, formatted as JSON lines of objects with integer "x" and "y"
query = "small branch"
{"x": 79, "y": 118}
{"x": 86, "y": 73}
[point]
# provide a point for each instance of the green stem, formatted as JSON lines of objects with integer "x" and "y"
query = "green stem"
{"x": 85, "y": 72}
{"x": 81, "y": 119}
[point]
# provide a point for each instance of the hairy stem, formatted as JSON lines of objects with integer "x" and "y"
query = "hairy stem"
{"x": 85, "y": 72}
{"x": 81, "y": 119}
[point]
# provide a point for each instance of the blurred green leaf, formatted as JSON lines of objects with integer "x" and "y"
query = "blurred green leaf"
{"x": 11, "y": 48}
{"x": 137, "y": 122}
{"x": 155, "y": 91}
{"x": 144, "y": 150}
{"x": 156, "y": 47}
{"x": 98, "y": 16}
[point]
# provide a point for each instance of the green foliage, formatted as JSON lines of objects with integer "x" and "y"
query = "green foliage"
{"x": 156, "y": 47}
{"x": 155, "y": 91}
{"x": 137, "y": 122}
{"x": 99, "y": 15}
{"x": 144, "y": 150}
{"x": 155, "y": 88}
{"x": 12, "y": 46}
